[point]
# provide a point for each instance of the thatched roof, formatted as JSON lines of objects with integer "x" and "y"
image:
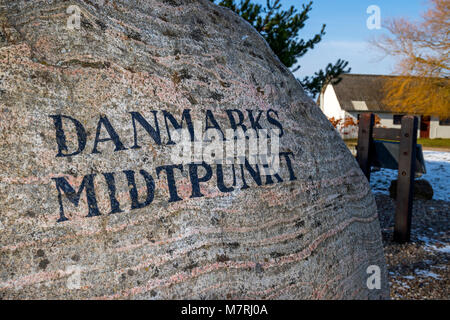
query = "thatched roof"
{"x": 365, "y": 92}
{"x": 361, "y": 92}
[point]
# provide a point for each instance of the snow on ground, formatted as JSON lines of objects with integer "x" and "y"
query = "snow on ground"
{"x": 432, "y": 244}
{"x": 438, "y": 174}
{"x": 426, "y": 273}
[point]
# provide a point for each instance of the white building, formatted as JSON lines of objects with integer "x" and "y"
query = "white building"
{"x": 356, "y": 94}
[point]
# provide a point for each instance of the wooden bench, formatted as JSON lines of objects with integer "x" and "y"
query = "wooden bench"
{"x": 372, "y": 150}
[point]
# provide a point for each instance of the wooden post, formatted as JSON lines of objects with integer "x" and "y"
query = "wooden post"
{"x": 405, "y": 182}
{"x": 366, "y": 122}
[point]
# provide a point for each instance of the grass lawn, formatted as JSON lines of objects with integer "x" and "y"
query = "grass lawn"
{"x": 430, "y": 143}
{"x": 351, "y": 142}
{"x": 434, "y": 143}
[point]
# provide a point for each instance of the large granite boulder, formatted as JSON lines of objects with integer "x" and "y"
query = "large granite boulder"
{"x": 91, "y": 204}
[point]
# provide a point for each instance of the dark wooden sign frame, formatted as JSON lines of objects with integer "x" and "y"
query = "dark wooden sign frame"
{"x": 407, "y": 136}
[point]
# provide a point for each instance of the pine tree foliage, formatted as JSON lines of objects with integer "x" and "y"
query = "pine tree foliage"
{"x": 281, "y": 29}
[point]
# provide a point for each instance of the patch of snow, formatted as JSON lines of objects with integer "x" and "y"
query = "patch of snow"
{"x": 438, "y": 174}
{"x": 439, "y": 267}
{"x": 402, "y": 284}
{"x": 431, "y": 244}
{"x": 428, "y": 274}
{"x": 425, "y": 239}
{"x": 444, "y": 249}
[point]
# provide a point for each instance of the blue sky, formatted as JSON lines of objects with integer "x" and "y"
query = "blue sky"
{"x": 347, "y": 34}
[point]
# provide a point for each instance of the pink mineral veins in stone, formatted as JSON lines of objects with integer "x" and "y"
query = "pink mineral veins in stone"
{"x": 311, "y": 237}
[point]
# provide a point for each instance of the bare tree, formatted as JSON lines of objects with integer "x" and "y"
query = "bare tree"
{"x": 423, "y": 51}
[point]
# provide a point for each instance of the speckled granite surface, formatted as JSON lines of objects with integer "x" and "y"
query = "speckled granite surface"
{"x": 305, "y": 238}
